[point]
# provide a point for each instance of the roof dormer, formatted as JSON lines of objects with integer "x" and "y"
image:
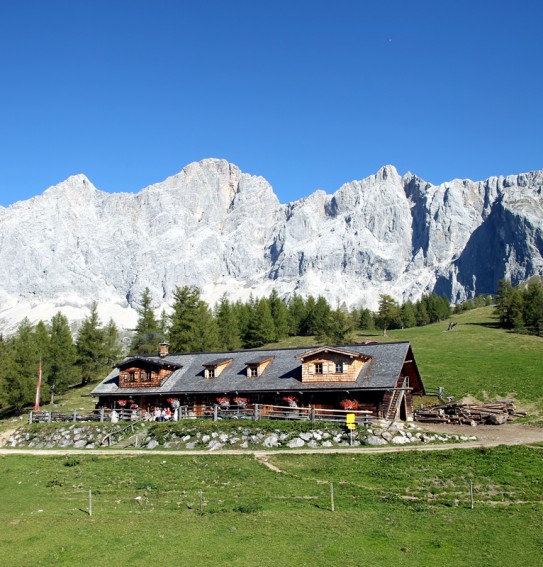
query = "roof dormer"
{"x": 329, "y": 364}
{"x": 213, "y": 368}
{"x": 256, "y": 366}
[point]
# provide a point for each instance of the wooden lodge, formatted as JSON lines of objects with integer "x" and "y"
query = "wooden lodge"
{"x": 377, "y": 377}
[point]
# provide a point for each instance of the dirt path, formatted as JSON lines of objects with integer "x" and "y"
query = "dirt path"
{"x": 488, "y": 436}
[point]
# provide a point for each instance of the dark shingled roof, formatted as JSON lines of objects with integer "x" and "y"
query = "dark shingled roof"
{"x": 282, "y": 374}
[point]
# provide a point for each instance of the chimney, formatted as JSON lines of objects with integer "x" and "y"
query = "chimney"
{"x": 163, "y": 349}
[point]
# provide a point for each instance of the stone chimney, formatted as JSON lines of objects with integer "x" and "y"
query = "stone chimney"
{"x": 163, "y": 349}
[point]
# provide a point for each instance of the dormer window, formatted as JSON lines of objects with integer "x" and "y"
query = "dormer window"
{"x": 213, "y": 368}
{"x": 256, "y": 366}
{"x": 331, "y": 364}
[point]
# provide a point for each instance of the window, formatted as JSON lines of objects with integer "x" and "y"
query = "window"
{"x": 254, "y": 371}
{"x": 318, "y": 367}
{"x": 148, "y": 376}
{"x": 211, "y": 373}
{"x": 339, "y": 367}
{"x": 131, "y": 376}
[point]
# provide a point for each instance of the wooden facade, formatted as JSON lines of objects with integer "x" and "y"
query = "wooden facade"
{"x": 377, "y": 377}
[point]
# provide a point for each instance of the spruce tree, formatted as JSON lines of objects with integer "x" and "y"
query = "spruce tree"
{"x": 192, "y": 326}
{"x": 229, "y": 337}
{"x": 261, "y": 327}
{"x": 21, "y": 367}
{"x": 147, "y": 335}
{"x": 280, "y": 315}
{"x": 91, "y": 356}
{"x": 61, "y": 356}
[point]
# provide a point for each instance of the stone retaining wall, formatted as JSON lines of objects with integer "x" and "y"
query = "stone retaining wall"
{"x": 90, "y": 436}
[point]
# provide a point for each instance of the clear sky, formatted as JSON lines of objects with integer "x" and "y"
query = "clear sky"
{"x": 309, "y": 94}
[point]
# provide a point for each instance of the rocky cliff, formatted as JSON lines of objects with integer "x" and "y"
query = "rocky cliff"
{"x": 225, "y": 231}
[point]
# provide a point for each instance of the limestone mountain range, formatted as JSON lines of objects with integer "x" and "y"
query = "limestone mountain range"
{"x": 225, "y": 231}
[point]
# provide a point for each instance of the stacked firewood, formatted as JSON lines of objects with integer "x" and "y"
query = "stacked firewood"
{"x": 491, "y": 413}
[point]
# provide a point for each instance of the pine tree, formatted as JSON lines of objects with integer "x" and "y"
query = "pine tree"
{"x": 261, "y": 327}
{"x": 113, "y": 348}
{"x": 407, "y": 315}
{"x": 21, "y": 367}
{"x": 91, "y": 356}
{"x": 297, "y": 313}
{"x": 389, "y": 312}
{"x": 61, "y": 356}
{"x": 193, "y": 327}
{"x": 338, "y": 329}
{"x": 229, "y": 336}
{"x": 533, "y": 307}
{"x": 147, "y": 335}
{"x": 280, "y": 315}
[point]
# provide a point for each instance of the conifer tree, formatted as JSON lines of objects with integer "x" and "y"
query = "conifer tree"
{"x": 61, "y": 356}
{"x": 229, "y": 336}
{"x": 280, "y": 315}
{"x": 147, "y": 335}
{"x": 91, "y": 355}
{"x": 389, "y": 312}
{"x": 297, "y": 314}
{"x": 192, "y": 326}
{"x": 261, "y": 327}
{"x": 21, "y": 367}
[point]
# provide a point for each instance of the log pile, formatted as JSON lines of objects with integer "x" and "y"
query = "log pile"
{"x": 491, "y": 413}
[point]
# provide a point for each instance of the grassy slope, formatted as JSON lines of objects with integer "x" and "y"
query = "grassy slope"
{"x": 476, "y": 358}
{"x": 406, "y": 509}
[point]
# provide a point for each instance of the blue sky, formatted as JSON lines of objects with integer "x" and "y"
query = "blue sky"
{"x": 308, "y": 94}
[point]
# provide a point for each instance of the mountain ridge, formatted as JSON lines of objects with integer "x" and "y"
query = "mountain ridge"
{"x": 224, "y": 230}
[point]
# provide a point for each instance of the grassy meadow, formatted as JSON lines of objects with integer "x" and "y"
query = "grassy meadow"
{"x": 476, "y": 359}
{"x": 404, "y": 509}
{"x": 390, "y": 509}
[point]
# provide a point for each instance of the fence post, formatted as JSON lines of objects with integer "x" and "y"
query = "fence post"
{"x": 312, "y": 415}
{"x": 215, "y": 412}
{"x": 256, "y": 413}
{"x": 49, "y": 416}
{"x": 75, "y": 415}
{"x": 30, "y": 417}
{"x": 101, "y": 415}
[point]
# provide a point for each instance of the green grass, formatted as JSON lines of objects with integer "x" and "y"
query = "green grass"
{"x": 477, "y": 358}
{"x": 405, "y": 509}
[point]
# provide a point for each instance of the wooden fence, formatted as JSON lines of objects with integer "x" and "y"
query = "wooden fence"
{"x": 254, "y": 412}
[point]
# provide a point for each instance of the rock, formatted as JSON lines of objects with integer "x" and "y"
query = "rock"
{"x": 385, "y": 234}
{"x": 305, "y": 436}
{"x": 80, "y": 444}
{"x": 375, "y": 441}
{"x": 399, "y": 440}
{"x": 214, "y": 445}
{"x": 327, "y": 444}
{"x": 205, "y": 438}
{"x": 191, "y": 445}
{"x": 271, "y": 441}
{"x": 223, "y": 438}
{"x": 185, "y": 438}
{"x": 312, "y": 444}
{"x": 296, "y": 443}
{"x": 153, "y": 444}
